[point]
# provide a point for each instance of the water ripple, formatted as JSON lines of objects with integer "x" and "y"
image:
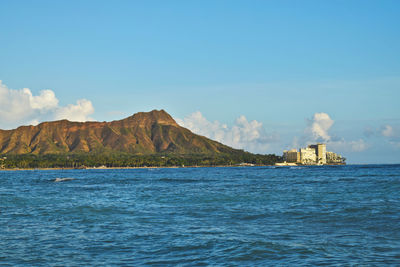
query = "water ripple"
{"x": 342, "y": 215}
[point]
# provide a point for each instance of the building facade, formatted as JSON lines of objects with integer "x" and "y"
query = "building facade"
{"x": 334, "y": 158}
{"x": 292, "y": 156}
{"x": 308, "y": 155}
{"x": 320, "y": 150}
{"x": 312, "y": 155}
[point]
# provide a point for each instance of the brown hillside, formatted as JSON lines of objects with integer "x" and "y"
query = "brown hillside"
{"x": 142, "y": 133}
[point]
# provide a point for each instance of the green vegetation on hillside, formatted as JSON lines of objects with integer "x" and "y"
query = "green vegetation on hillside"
{"x": 79, "y": 160}
{"x": 151, "y": 139}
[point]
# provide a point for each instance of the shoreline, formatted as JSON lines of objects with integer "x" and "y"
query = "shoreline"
{"x": 167, "y": 167}
{"x": 128, "y": 168}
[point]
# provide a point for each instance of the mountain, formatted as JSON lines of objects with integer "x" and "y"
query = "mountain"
{"x": 143, "y": 133}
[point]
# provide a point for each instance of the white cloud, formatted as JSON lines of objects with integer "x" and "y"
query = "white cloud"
{"x": 34, "y": 122}
{"x": 14, "y": 104}
{"x": 387, "y": 131}
{"x": 244, "y": 134}
{"x": 392, "y": 134}
{"x": 318, "y": 131}
{"x": 20, "y": 107}
{"x": 319, "y": 127}
{"x": 78, "y": 112}
{"x": 198, "y": 124}
{"x": 45, "y": 101}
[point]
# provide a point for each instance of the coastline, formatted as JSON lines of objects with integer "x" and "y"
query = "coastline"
{"x": 129, "y": 168}
{"x": 165, "y": 167}
{"x": 124, "y": 168}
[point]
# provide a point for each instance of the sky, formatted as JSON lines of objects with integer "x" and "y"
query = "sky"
{"x": 263, "y": 76}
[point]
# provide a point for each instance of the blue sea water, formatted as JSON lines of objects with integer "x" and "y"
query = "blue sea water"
{"x": 330, "y": 215}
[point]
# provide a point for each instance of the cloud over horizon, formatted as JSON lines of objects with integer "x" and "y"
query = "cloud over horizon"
{"x": 318, "y": 131}
{"x": 392, "y": 134}
{"x": 21, "y": 107}
{"x": 78, "y": 112}
{"x": 319, "y": 127}
{"x": 248, "y": 135}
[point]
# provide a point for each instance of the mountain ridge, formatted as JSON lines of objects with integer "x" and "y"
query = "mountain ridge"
{"x": 142, "y": 133}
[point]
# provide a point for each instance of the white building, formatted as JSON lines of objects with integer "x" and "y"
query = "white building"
{"x": 313, "y": 154}
{"x": 320, "y": 150}
{"x": 308, "y": 155}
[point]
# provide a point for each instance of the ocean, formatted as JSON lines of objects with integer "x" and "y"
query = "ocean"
{"x": 227, "y": 216}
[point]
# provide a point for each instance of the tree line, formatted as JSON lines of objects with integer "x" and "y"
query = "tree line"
{"x": 82, "y": 160}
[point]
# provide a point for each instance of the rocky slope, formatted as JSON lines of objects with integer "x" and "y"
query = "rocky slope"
{"x": 143, "y": 133}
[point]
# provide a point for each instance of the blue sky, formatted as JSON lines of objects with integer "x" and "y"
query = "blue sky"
{"x": 209, "y": 64}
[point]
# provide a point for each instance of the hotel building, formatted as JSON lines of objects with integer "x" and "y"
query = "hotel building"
{"x": 311, "y": 155}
